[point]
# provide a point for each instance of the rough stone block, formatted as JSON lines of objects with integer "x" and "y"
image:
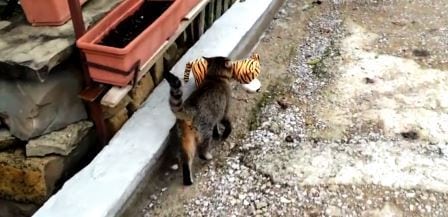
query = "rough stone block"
{"x": 28, "y": 179}
{"x": 31, "y": 108}
{"x": 141, "y": 92}
{"x": 116, "y": 122}
{"x": 61, "y": 142}
{"x": 33, "y": 179}
{"x": 6, "y": 139}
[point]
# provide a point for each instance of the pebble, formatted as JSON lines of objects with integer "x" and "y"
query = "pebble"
{"x": 242, "y": 196}
{"x": 333, "y": 211}
{"x": 174, "y": 167}
{"x": 284, "y": 200}
{"x": 260, "y": 205}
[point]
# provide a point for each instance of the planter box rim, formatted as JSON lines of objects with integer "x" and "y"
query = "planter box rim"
{"x": 91, "y": 45}
{"x": 140, "y": 48}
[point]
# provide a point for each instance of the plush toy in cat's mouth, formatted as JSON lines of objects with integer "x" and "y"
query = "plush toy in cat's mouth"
{"x": 253, "y": 87}
{"x": 244, "y": 71}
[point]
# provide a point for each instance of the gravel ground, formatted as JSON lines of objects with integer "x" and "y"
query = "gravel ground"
{"x": 284, "y": 167}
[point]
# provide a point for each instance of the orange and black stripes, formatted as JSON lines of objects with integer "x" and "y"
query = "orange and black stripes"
{"x": 244, "y": 71}
{"x": 198, "y": 67}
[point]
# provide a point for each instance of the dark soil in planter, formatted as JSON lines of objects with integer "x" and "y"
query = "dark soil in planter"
{"x": 128, "y": 29}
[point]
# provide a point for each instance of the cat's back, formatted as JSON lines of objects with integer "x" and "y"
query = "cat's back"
{"x": 210, "y": 92}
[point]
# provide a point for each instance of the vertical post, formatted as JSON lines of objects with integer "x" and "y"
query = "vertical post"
{"x": 218, "y": 9}
{"x": 226, "y": 5}
{"x": 94, "y": 107}
{"x": 157, "y": 71}
{"x": 210, "y": 13}
{"x": 191, "y": 36}
{"x": 80, "y": 29}
{"x": 201, "y": 24}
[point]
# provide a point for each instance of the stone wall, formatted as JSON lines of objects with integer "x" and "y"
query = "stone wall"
{"x": 33, "y": 108}
{"x": 43, "y": 138}
{"x": 31, "y": 171}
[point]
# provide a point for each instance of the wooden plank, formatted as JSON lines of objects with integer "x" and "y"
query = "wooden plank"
{"x": 210, "y": 13}
{"x": 90, "y": 94}
{"x": 201, "y": 24}
{"x": 218, "y": 6}
{"x": 116, "y": 94}
{"x": 191, "y": 36}
{"x": 226, "y": 5}
{"x": 157, "y": 72}
{"x": 197, "y": 9}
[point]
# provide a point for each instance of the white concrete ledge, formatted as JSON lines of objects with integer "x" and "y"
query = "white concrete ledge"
{"x": 102, "y": 187}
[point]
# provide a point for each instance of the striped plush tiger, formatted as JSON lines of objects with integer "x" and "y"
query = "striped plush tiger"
{"x": 244, "y": 71}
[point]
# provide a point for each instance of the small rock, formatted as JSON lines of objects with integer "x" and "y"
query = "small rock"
{"x": 274, "y": 128}
{"x": 398, "y": 23}
{"x": 424, "y": 196}
{"x": 306, "y": 7}
{"x": 284, "y": 200}
{"x": 420, "y": 53}
{"x": 411, "y": 135}
{"x": 234, "y": 201}
{"x": 260, "y": 204}
{"x": 333, "y": 211}
{"x": 410, "y": 194}
{"x": 232, "y": 145}
{"x": 317, "y": 2}
{"x": 174, "y": 167}
{"x": 369, "y": 80}
{"x": 289, "y": 139}
{"x": 314, "y": 192}
{"x": 283, "y": 103}
{"x": 282, "y": 12}
{"x": 242, "y": 196}
{"x": 252, "y": 210}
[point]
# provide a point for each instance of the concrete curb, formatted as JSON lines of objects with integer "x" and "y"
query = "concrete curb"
{"x": 119, "y": 170}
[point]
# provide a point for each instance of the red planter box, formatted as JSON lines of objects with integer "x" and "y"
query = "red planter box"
{"x": 47, "y": 12}
{"x": 115, "y": 66}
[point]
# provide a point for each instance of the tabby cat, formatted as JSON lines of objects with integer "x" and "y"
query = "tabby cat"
{"x": 200, "y": 114}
